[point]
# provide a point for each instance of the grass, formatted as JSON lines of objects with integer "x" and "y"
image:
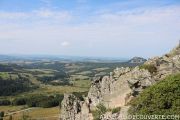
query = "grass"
{"x": 79, "y": 77}
{"x": 101, "y": 69}
{"x": 48, "y": 113}
{"x": 151, "y": 68}
{"x": 4, "y": 75}
{"x": 84, "y": 73}
{"x": 82, "y": 83}
{"x": 44, "y": 112}
{"x": 48, "y": 71}
{"x": 10, "y": 108}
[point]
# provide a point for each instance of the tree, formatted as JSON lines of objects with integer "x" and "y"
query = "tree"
{"x": 1, "y": 115}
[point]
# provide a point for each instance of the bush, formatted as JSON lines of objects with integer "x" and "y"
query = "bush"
{"x": 116, "y": 110}
{"x": 80, "y": 95}
{"x": 151, "y": 68}
{"x": 161, "y": 98}
{"x": 44, "y": 101}
{"x": 101, "y": 109}
{"x": 19, "y": 101}
{"x": 5, "y": 102}
{"x": 1, "y": 115}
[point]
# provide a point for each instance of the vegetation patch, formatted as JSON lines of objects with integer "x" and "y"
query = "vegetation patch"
{"x": 44, "y": 101}
{"x": 162, "y": 98}
{"x": 101, "y": 109}
{"x": 80, "y": 95}
{"x": 151, "y": 68}
{"x": 13, "y": 86}
{"x": 116, "y": 110}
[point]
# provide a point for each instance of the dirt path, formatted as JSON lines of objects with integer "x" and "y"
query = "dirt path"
{"x": 24, "y": 110}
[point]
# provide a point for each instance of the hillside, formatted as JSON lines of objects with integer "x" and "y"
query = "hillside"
{"x": 162, "y": 98}
{"x": 119, "y": 88}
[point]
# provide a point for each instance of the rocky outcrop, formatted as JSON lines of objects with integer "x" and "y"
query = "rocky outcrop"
{"x": 117, "y": 89}
{"x": 74, "y": 109}
{"x": 137, "y": 60}
{"x": 167, "y": 64}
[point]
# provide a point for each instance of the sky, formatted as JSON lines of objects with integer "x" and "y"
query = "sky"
{"x": 98, "y": 28}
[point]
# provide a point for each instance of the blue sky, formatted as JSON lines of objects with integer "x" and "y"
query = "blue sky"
{"x": 108, "y": 28}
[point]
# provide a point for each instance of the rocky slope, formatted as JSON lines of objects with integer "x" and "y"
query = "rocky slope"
{"x": 120, "y": 87}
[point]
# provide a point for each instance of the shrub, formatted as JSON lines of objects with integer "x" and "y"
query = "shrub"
{"x": 1, "y": 115}
{"x": 44, "y": 101}
{"x": 101, "y": 109}
{"x": 80, "y": 95}
{"x": 19, "y": 101}
{"x": 161, "y": 98}
{"x": 151, "y": 68}
{"x": 116, "y": 110}
{"x": 4, "y": 102}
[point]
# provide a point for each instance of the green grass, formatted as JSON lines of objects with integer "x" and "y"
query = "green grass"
{"x": 4, "y": 75}
{"x": 101, "y": 69}
{"x": 100, "y": 110}
{"x": 151, "y": 68}
{"x": 116, "y": 110}
{"x": 51, "y": 113}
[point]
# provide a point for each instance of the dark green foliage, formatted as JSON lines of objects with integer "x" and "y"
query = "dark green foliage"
{"x": 2, "y": 114}
{"x": 151, "y": 68}
{"x": 162, "y": 98}
{"x": 62, "y": 76}
{"x": 14, "y": 86}
{"x": 5, "y": 102}
{"x": 101, "y": 109}
{"x": 44, "y": 101}
{"x": 5, "y": 68}
{"x": 19, "y": 101}
{"x": 80, "y": 95}
{"x": 116, "y": 110}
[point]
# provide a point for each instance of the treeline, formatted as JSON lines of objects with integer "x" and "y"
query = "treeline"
{"x": 10, "y": 67}
{"x": 39, "y": 100}
{"x": 61, "y": 77}
{"x": 35, "y": 101}
{"x": 12, "y": 86}
{"x": 56, "y": 76}
{"x": 43, "y": 65}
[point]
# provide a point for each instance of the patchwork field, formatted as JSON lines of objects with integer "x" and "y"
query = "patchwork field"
{"x": 23, "y": 83}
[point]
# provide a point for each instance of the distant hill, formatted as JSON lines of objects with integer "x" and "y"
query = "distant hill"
{"x": 68, "y": 59}
{"x": 137, "y": 60}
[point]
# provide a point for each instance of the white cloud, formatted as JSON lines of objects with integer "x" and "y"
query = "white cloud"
{"x": 65, "y": 43}
{"x": 35, "y": 16}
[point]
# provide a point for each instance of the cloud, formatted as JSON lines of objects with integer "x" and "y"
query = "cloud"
{"x": 65, "y": 44}
{"x": 141, "y": 32}
{"x": 35, "y": 16}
